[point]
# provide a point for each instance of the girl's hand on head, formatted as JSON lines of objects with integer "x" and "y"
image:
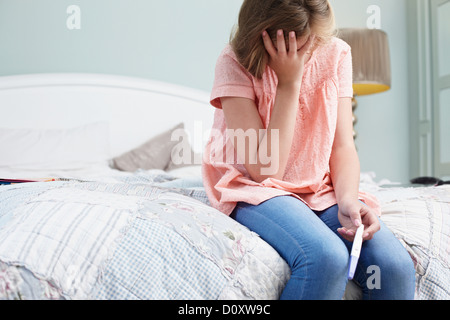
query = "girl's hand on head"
{"x": 287, "y": 64}
{"x": 351, "y": 215}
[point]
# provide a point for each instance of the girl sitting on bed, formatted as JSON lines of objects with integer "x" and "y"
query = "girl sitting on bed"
{"x": 287, "y": 80}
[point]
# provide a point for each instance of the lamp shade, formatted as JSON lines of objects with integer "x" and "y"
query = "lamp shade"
{"x": 371, "y": 59}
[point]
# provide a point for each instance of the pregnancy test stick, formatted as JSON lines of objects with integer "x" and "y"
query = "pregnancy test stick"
{"x": 356, "y": 250}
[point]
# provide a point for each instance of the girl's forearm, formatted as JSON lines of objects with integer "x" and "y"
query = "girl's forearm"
{"x": 345, "y": 173}
{"x": 282, "y": 123}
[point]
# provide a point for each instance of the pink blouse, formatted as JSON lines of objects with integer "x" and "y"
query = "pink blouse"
{"x": 327, "y": 77}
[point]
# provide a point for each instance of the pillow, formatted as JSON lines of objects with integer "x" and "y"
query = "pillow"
{"x": 153, "y": 154}
{"x": 182, "y": 154}
{"x": 54, "y": 148}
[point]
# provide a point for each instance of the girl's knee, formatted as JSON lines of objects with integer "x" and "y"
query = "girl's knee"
{"x": 393, "y": 260}
{"x": 391, "y": 275}
{"x": 327, "y": 257}
{"x": 400, "y": 267}
{"x": 334, "y": 258}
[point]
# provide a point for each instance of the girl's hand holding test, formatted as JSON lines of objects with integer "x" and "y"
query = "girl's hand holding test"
{"x": 352, "y": 215}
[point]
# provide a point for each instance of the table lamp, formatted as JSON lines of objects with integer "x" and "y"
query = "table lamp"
{"x": 371, "y": 62}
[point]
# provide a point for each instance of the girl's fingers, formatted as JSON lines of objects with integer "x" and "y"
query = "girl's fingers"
{"x": 292, "y": 43}
{"x": 370, "y": 219}
{"x": 268, "y": 44}
{"x": 370, "y": 231}
{"x": 281, "y": 44}
{"x": 348, "y": 235}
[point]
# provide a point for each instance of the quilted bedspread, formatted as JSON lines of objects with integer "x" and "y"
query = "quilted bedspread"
{"x": 148, "y": 235}
{"x": 420, "y": 219}
{"x": 128, "y": 240}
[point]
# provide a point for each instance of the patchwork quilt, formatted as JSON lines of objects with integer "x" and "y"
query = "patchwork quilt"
{"x": 150, "y": 235}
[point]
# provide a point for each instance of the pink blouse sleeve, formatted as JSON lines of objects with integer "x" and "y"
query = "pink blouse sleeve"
{"x": 231, "y": 79}
{"x": 345, "y": 74}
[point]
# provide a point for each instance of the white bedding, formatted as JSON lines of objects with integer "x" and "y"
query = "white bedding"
{"x": 146, "y": 228}
{"x": 420, "y": 218}
{"x": 130, "y": 239}
{"x": 149, "y": 234}
{"x": 227, "y": 261}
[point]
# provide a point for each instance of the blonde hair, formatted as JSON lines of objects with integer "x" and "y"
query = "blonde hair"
{"x": 302, "y": 16}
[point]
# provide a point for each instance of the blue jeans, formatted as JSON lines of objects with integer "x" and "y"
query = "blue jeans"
{"x": 318, "y": 256}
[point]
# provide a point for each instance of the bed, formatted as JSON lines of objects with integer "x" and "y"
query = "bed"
{"x": 116, "y": 207}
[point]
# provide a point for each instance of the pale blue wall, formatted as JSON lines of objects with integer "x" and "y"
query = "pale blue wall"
{"x": 179, "y": 40}
{"x": 176, "y": 41}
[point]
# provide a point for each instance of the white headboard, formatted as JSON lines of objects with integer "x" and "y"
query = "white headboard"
{"x": 136, "y": 109}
